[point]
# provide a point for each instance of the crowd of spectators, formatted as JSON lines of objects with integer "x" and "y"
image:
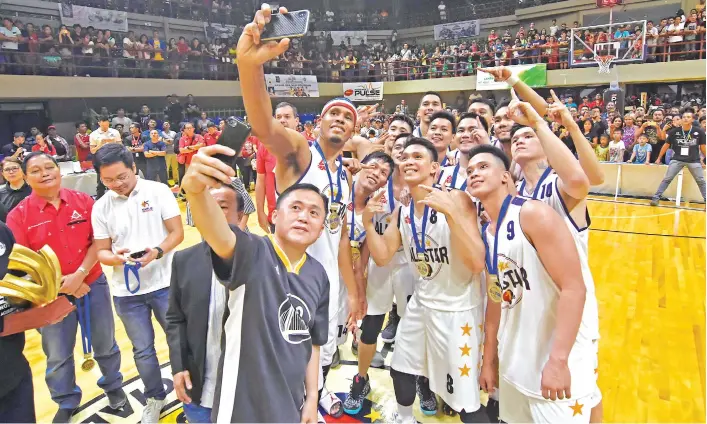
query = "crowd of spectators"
{"x": 27, "y": 49}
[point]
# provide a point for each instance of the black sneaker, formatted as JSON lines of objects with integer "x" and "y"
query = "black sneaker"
{"x": 388, "y": 333}
{"x": 360, "y": 388}
{"x": 428, "y": 400}
{"x": 63, "y": 415}
{"x": 335, "y": 360}
{"x": 117, "y": 398}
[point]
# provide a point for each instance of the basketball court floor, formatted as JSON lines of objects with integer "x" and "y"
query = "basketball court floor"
{"x": 649, "y": 269}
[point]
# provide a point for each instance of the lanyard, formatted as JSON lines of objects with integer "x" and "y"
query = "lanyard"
{"x": 133, "y": 267}
{"x": 545, "y": 174}
{"x": 333, "y": 198}
{"x": 492, "y": 263}
{"x": 686, "y": 137}
{"x": 419, "y": 244}
{"x": 391, "y": 199}
{"x": 352, "y": 236}
{"x": 83, "y": 309}
{"x": 454, "y": 175}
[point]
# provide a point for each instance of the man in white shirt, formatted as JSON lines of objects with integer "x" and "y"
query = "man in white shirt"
{"x": 675, "y": 30}
{"x": 442, "y": 11}
{"x": 136, "y": 226}
{"x": 9, "y": 37}
{"x": 121, "y": 119}
{"x": 172, "y": 165}
{"x": 99, "y": 138}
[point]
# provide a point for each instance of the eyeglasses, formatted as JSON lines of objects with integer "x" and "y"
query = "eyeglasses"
{"x": 121, "y": 178}
{"x": 11, "y": 169}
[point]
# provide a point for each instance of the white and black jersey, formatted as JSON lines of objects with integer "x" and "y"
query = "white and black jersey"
{"x": 276, "y": 312}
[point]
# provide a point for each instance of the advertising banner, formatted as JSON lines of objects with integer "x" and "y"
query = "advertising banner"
{"x": 363, "y": 91}
{"x": 292, "y": 85}
{"x": 462, "y": 29}
{"x": 534, "y": 75}
{"x": 85, "y": 16}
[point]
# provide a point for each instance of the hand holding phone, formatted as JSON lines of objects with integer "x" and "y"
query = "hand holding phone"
{"x": 138, "y": 255}
{"x": 253, "y": 51}
{"x": 234, "y": 135}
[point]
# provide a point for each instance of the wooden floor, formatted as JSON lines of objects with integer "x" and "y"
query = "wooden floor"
{"x": 649, "y": 268}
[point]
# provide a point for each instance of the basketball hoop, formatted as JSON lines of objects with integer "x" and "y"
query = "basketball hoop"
{"x": 604, "y": 63}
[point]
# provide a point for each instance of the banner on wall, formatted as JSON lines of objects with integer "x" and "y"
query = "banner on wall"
{"x": 214, "y": 30}
{"x": 534, "y": 75}
{"x": 363, "y": 91}
{"x": 85, "y": 16}
{"x": 452, "y": 31}
{"x": 350, "y": 38}
{"x": 292, "y": 85}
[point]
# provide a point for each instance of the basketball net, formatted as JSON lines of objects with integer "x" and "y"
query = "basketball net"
{"x": 604, "y": 63}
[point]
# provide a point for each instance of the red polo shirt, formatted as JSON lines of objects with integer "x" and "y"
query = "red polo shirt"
{"x": 265, "y": 164}
{"x": 210, "y": 140}
{"x": 35, "y": 222}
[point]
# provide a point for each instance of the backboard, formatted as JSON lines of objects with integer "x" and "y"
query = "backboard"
{"x": 621, "y": 42}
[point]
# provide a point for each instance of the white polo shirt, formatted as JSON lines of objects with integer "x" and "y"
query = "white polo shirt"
{"x": 136, "y": 222}
{"x": 99, "y": 137}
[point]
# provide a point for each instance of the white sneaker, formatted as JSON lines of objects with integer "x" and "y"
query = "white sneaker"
{"x": 151, "y": 413}
{"x": 397, "y": 419}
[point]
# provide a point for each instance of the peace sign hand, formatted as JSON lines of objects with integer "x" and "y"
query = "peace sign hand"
{"x": 558, "y": 112}
{"x": 365, "y": 112}
{"x": 523, "y": 113}
{"x": 373, "y": 207}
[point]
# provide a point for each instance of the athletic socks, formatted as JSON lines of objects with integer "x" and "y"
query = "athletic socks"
{"x": 405, "y": 412}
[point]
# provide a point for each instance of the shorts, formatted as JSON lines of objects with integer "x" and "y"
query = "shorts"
{"x": 337, "y": 327}
{"x": 388, "y": 283}
{"x": 444, "y": 347}
{"x": 516, "y": 407}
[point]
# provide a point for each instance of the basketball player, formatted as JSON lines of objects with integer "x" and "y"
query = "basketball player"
{"x": 441, "y": 132}
{"x": 430, "y": 103}
{"x": 319, "y": 165}
{"x": 439, "y": 335}
{"x": 383, "y": 283}
{"x": 277, "y": 303}
{"x": 472, "y": 130}
{"x": 545, "y": 361}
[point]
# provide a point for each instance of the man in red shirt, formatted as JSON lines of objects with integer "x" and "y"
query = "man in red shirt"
{"x": 212, "y": 134}
{"x": 61, "y": 218}
{"x": 189, "y": 144}
{"x": 265, "y": 188}
{"x": 82, "y": 142}
{"x": 308, "y": 132}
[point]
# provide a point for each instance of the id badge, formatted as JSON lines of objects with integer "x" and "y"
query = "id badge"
{"x": 684, "y": 151}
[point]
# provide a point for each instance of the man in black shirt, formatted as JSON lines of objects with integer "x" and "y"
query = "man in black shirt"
{"x": 174, "y": 111}
{"x": 15, "y": 188}
{"x": 278, "y": 303}
{"x": 191, "y": 109}
{"x": 687, "y": 142}
{"x": 16, "y": 389}
{"x": 16, "y": 148}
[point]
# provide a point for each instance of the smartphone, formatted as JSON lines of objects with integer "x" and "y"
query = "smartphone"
{"x": 138, "y": 255}
{"x": 289, "y": 25}
{"x": 234, "y": 136}
{"x": 348, "y": 154}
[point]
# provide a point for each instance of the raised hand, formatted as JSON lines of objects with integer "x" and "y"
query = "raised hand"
{"x": 207, "y": 171}
{"x": 558, "y": 112}
{"x": 250, "y": 50}
{"x": 523, "y": 113}
{"x": 373, "y": 207}
{"x": 500, "y": 73}
{"x": 366, "y": 112}
{"x": 440, "y": 200}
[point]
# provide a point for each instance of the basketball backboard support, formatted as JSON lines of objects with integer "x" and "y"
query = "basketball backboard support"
{"x": 603, "y": 45}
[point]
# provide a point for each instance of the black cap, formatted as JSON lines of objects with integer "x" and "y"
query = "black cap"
{"x": 19, "y": 134}
{"x": 210, "y": 125}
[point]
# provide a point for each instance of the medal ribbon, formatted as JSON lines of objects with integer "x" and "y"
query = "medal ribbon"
{"x": 687, "y": 137}
{"x": 419, "y": 244}
{"x": 339, "y": 170}
{"x": 454, "y": 176}
{"x": 83, "y": 309}
{"x": 492, "y": 263}
{"x": 391, "y": 199}
{"x": 352, "y": 236}
{"x": 131, "y": 267}
{"x": 545, "y": 174}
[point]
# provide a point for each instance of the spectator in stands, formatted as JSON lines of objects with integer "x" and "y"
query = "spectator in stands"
{"x": 135, "y": 144}
{"x": 155, "y": 151}
{"x": 616, "y": 146}
{"x": 157, "y": 47}
{"x": 212, "y": 134}
{"x": 675, "y": 30}
{"x": 144, "y": 117}
{"x": 642, "y": 151}
{"x": 202, "y": 124}
{"x": 43, "y": 146}
{"x": 15, "y": 188}
{"x": 191, "y": 109}
{"x": 82, "y": 143}
{"x": 169, "y": 138}
{"x": 245, "y": 161}
{"x": 10, "y": 36}
{"x": 15, "y": 149}
{"x": 189, "y": 144}
{"x": 63, "y": 153}
{"x": 151, "y": 125}
{"x": 174, "y": 111}
{"x": 442, "y": 11}
{"x": 31, "y": 140}
{"x": 121, "y": 119}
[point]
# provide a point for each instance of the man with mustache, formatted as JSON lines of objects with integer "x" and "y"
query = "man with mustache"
{"x": 320, "y": 165}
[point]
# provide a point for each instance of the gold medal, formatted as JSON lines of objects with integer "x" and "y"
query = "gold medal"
{"x": 334, "y": 216}
{"x": 494, "y": 289}
{"x": 88, "y": 362}
{"x": 355, "y": 249}
{"x": 422, "y": 268}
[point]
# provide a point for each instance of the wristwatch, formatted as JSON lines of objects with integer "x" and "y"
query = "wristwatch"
{"x": 82, "y": 270}
{"x": 160, "y": 252}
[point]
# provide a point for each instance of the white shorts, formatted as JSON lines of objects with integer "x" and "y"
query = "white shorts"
{"x": 444, "y": 347}
{"x": 516, "y": 407}
{"x": 388, "y": 283}
{"x": 337, "y": 326}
